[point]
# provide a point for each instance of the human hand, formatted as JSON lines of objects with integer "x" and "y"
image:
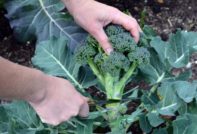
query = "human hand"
{"x": 93, "y": 16}
{"x": 60, "y": 102}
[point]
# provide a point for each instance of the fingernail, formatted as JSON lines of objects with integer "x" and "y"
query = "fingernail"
{"x": 108, "y": 50}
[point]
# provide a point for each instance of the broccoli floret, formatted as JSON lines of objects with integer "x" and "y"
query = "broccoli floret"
{"x": 120, "y": 39}
{"x": 123, "y": 42}
{"x": 115, "y": 63}
{"x": 114, "y": 70}
{"x": 99, "y": 59}
{"x": 141, "y": 55}
{"x": 84, "y": 53}
{"x": 114, "y": 30}
{"x": 91, "y": 41}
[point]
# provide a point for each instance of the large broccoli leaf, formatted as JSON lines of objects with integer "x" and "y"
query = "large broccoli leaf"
{"x": 54, "y": 58}
{"x": 155, "y": 71}
{"x": 185, "y": 124}
{"x": 174, "y": 53}
{"x": 42, "y": 19}
{"x": 18, "y": 117}
{"x": 177, "y": 50}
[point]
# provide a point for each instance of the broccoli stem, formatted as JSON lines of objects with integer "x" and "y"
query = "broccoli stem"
{"x": 96, "y": 71}
{"x": 119, "y": 87}
{"x": 114, "y": 89}
{"x": 113, "y": 112}
{"x": 109, "y": 84}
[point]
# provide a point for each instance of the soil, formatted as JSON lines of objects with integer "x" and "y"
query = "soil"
{"x": 165, "y": 16}
{"x": 10, "y": 48}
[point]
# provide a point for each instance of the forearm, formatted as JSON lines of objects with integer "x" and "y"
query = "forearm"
{"x": 19, "y": 82}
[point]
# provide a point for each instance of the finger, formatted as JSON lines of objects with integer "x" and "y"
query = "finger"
{"x": 128, "y": 23}
{"x": 86, "y": 99}
{"x": 43, "y": 120}
{"x": 102, "y": 38}
{"x": 51, "y": 122}
{"x": 84, "y": 110}
{"x": 140, "y": 30}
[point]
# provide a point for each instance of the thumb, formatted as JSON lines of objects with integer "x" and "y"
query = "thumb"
{"x": 84, "y": 110}
{"x": 103, "y": 40}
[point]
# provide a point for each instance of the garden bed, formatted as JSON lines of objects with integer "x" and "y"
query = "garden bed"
{"x": 163, "y": 17}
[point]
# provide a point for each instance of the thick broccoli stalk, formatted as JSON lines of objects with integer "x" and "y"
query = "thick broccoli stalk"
{"x": 114, "y": 70}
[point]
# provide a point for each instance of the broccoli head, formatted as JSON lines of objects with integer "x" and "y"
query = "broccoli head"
{"x": 114, "y": 70}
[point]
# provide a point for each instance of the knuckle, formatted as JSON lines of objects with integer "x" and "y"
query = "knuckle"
{"x": 54, "y": 123}
{"x": 103, "y": 40}
{"x": 114, "y": 10}
{"x": 134, "y": 22}
{"x": 65, "y": 118}
{"x": 94, "y": 30}
{"x": 75, "y": 112}
{"x": 115, "y": 13}
{"x": 81, "y": 102}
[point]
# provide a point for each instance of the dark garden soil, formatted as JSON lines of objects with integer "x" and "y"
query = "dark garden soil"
{"x": 10, "y": 48}
{"x": 165, "y": 16}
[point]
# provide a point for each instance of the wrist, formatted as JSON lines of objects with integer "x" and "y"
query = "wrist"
{"x": 37, "y": 92}
{"x": 73, "y": 5}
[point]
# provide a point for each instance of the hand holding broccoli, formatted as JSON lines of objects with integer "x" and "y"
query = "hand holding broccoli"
{"x": 93, "y": 16}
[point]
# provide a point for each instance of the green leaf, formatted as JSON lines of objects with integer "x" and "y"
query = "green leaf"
{"x": 160, "y": 131}
{"x": 4, "y": 123}
{"x": 96, "y": 114}
{"x": 54, "y": 58}
{"x": 183, "y": 109}
{"x": 149, "y": 99}
{"x": 177, "y": 50}
{"x": 149, "y": 32}
{"x": 156, "y": 71}
{"x": 161, "y": 47}
{"x": 192, "y": 108}
{"x": 185, "y": 124}
{"x": 118, "y": 126}
{"x": 19, "y": 118}
{"x": 22, "y": 113}
{"x": 154, "y": 119}
{"x": 85, "y": 129}
{"x": 43, "y": 19}
{"x": 185, "y": 90}
{"x": 134, "y": 116}
{"x": 170, "y": 102}
{"x": 144, "y": 124}
{"x": 166, "y": 55}
{"x": 146, "y": 36}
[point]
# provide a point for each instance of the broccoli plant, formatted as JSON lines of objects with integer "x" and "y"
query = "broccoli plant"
{"x": 114, "y": 70}
{"x": 168, "y": 105}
